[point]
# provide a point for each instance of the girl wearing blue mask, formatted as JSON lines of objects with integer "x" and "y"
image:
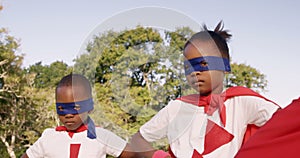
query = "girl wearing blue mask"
{"x": 213, "y": 122}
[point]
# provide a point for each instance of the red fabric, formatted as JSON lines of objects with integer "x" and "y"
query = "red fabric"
{"x": 211, "y": 103}
{"x": 196, "y": 154}
{"x": 278, "y": 138}
{"x": 251, "y": 129}
{"x": 71, "y": 133}
{"x": 214, "y": 101}
{"x": 74, "y": 150}
{"x": 242, "y": 91}
{"x": 211, "y": 141}
{"x": 171, "y": 152}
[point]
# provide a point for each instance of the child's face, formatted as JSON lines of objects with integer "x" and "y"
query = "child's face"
{"x": 69, "y": 94}
{"x": 73, "y": 121}
{"x": 205, "y": 82}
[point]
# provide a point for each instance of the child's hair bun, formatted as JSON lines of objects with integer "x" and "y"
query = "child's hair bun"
{"x": 219, "y": 30}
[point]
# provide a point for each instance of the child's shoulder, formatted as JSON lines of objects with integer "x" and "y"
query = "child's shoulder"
{"x": 240, "y": 91}
{"x": 184, "y": 102}
{"x": 49, "y": 131}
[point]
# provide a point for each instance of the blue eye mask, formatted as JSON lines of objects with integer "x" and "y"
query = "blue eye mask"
{"x": 206, "y": 63}
{"x": 75, "y": 107}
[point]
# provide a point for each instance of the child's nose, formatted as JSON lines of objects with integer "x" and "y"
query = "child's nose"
{"x": 195, "y": 73}
{"x": 69, "y": 116}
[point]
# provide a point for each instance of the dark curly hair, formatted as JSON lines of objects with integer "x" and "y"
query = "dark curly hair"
{"x": 218, "y": 35}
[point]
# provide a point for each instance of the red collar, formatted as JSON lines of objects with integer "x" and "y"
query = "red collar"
{"x": 210, "y": 103}
{"x": 214, "y": 101}
{"x": 79, "y": 129}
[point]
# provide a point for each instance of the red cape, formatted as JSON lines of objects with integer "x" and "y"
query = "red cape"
{"x": 278, "y": 138}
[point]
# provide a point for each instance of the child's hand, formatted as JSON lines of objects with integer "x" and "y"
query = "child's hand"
{"x": 161, "y": 154}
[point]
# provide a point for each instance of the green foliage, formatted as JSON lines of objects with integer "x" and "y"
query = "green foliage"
{"x": 245, "y": 75}
{"x": 11, "y": 100}
{"x": 3, "y": 151}
{"x": 22, "y": 114}
{"x": 15, "y": 107}
{"x": 48, "y": 75}
{"x": 87, "y": 63}
{"x": 178, "y": 38}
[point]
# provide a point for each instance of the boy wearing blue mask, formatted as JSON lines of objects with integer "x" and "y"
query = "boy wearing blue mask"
{"x": 78, "y": 137}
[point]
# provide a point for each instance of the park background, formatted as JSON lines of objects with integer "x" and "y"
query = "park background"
{"x": 52, "y": 37}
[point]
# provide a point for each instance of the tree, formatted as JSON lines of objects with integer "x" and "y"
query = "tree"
{"x": 125, "y": 74}
{"x": 22, "y": 116}
{"x": 10, "y": 94}
{"x": 87, "y": 62}
{"x": 245, "y": 75}
{"x": 47, "y": 76}
{"x": 12, "y": 100}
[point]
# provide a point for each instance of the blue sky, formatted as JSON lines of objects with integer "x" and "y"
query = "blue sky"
{"x": 265, "y": 33}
